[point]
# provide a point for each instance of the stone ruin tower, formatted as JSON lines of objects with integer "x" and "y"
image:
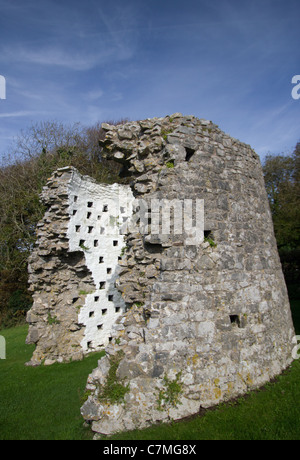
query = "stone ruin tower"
{"x": 203, "y": 313}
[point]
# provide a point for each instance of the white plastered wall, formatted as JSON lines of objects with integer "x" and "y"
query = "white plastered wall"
{"x": 97, "y": 213}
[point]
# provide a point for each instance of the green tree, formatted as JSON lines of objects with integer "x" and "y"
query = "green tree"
{"x": 282, "y": 179}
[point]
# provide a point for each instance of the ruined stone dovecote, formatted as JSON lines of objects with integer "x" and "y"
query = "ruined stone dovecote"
{"x": 193, "y": 315}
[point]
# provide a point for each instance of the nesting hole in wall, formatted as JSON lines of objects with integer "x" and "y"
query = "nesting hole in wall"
{"x": 74, "y": 300}
{"x": 101, "y": 260}
{"x": 77, "y": 228}
{"x": 115, "y": 242}
{"x": 108, "y": 271}
{"x": 75, "y": 198}
{"x": 74, "y": 211}
{"x": 105, "y": 208}
{"x": 102, "y": 230}
{"x": 189, "y": 153}
{"x": 95, "y": 243}
{"x": 102, "y": 285}
{"x": 104, "y": 311}
{"x": 153, "y": 248}
{"x": 89, "y": 204}
{"x": 91, "y": 314}
{"x": 117, "y": 309}
{"x": 110, "y": 297}
{"x": 235, "y": 320}
{"x": 96, "y": 298}
{"x": 90, "y": 229}
{"x": 99, "y": 326}
{"x": 88, "y": 215}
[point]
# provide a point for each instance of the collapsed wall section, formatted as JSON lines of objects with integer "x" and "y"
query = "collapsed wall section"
{"x": 73, "y": 267}
{"x": 210, "y": 320}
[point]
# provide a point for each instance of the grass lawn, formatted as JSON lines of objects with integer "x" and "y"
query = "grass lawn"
{"x": 44, "y": 402}
{"x": 40, "y": 402}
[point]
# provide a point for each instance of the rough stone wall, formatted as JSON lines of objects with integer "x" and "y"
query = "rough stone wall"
{"x": 207, "y": 321}
{"x": 73, "y": 267}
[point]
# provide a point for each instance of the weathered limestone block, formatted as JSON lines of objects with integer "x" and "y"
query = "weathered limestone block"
{"x": 205, "y": 322}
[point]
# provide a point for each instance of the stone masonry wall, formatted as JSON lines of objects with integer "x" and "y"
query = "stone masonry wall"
{"x": 205, "y": 322}
{"x": 73, "y": 268}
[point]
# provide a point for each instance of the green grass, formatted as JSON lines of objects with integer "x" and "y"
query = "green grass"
{"x": 40, "y": 402}
{"x": 44, "y": 403}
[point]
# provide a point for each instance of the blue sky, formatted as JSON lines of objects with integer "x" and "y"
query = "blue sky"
{"x": 229, "y": 61}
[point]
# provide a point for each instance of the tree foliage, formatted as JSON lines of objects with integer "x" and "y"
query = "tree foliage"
{"x": 282, "y": 179}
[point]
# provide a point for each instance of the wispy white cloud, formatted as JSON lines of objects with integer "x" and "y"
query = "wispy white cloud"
{"x": 58, "y": 57}
{"x": 94, "y": 94}
{"x": 20, "y": 113}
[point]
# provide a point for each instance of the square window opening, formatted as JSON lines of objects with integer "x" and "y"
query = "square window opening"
{"x": 235, "y": 320}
